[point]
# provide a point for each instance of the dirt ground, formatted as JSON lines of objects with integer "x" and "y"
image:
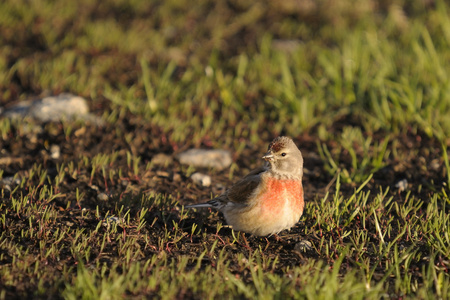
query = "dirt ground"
{"x": 422, "y": 167}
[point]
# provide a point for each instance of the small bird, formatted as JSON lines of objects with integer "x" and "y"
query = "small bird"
{"x": 269, "y": 199}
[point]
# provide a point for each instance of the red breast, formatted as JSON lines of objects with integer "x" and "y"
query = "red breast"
{"x": 276, "y": 192}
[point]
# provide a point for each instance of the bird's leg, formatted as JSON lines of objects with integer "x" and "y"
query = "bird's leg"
{"x": 277, "y": 237}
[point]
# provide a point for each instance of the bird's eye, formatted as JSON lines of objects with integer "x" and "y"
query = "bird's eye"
{"x": 283, "y": 154}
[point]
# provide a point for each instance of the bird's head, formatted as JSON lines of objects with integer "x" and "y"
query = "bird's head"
{"x": 284, "y": 158}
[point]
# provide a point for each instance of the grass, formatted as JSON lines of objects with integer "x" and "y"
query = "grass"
{"x": 362, "y": 87}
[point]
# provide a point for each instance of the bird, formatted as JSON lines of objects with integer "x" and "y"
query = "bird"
{"x": 270, "y": 198}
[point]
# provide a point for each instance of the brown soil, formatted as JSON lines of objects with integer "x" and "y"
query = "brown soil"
{"x": 21, "y": 151}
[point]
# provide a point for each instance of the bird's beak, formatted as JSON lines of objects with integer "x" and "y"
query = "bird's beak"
{"x": 268, "y": 156}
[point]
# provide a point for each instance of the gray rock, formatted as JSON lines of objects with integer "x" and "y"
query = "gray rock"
{"x": 201, "y": 179}
{"x": 303, "y": 246}
{"x": 219, "y": 159}
{"x": 112, "y": 220}
{"x": 8, "y": 183}
{"x": 53, "y": 108}
{"x": 56, "y": 108}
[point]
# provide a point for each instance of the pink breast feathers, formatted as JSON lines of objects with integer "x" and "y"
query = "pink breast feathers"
{"x": 273, "y": 198}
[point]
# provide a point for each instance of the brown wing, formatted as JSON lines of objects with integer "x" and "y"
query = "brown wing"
{"x": 242, "y": 189}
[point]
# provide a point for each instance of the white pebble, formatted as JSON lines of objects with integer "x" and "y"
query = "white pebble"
{"x": 102, "y": 197}
{"x": 53, "y": 108}
{"x": 402, "y": 185}
{"x": 55, "y": 151}
{"x": 201, "y": 179}
{"x": 219, "y": 159}
{"x": 303, "y": 246}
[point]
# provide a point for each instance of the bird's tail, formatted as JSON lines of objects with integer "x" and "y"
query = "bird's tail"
{"x": 199, "y": 205}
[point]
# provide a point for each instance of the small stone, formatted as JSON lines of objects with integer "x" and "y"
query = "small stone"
{"x": 176, "y": 177}
{"x": 162, "y": 174}
{"x": 10, "y": 181}
{"x": 219, "y": 159}
{"x": 58, "y": 107}
{"x": 113, "y": 219}
{"x": 162, "y": 159}
{"x": 201, "y": 179}
{"x": 6, "y": 187}
{"x": 303, "y": 246}
{"x": 402, "y": 185}
{"x": 55, "y": 151}
{"x": 52, "y": 108}
{"x": 102, "y": 197}
{"x": 18, "y": 110}
{"x": 434, "y": 165}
